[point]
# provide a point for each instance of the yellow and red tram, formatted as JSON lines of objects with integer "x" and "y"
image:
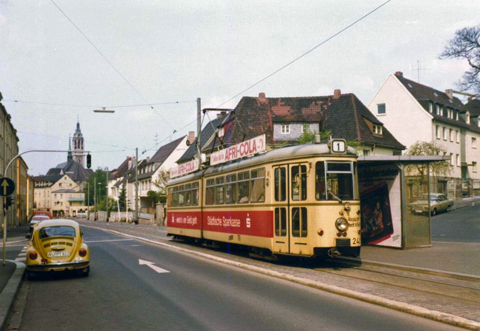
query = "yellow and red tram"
{"x": 299, "y": 200}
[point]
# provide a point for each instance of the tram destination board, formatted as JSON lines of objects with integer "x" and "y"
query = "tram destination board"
{"x": 7, "y": 187}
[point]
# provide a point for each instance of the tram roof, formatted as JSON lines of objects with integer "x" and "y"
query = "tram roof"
{"x": 284, "y": 153}
{"x": 417, "y": 159}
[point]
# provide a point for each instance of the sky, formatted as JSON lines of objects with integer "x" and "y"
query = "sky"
{"x": 150, "y": 61}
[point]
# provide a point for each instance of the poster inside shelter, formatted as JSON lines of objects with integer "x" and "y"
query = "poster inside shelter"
{"x": 380, "y": 201}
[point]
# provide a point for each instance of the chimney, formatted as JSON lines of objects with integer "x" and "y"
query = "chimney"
{"x": 148, "y": 159}
{"x": 191, "y": 137}
{"x": 337, "y": 94}
{"x": 399, "y": 74}
{"x": 449, "y": 93}
{"x": 261, "y": 96}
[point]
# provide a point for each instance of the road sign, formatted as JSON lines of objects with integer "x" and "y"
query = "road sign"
{"x": 7, "y": 187}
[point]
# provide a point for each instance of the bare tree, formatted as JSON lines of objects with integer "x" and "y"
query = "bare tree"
{"x": 437, "y": 168}
{"x": 466, "y": 45}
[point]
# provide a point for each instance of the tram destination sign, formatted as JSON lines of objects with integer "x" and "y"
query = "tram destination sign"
{"x": 238, "y": 151}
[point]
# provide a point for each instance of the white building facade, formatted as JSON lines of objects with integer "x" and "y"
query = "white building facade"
{"x": 415, "y": 112}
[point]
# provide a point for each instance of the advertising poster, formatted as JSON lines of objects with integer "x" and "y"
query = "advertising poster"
{"x": 380, "y": 201}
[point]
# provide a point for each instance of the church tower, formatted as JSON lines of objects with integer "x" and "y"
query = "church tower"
{"x": 78, "y": 146}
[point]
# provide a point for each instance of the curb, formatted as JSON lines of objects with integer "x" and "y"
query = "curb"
{"x": 403, "y": 307}
{"x": 9, "y": 293}
{"x": 427, "y": 271}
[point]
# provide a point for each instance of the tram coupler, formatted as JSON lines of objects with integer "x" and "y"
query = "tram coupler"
{"x": 333, "y": 252}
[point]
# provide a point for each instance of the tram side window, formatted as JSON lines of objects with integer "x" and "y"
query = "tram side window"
{"x": 299, "y": 182}
{"x": 280, "y": 184}
{"x": 258, "y": 185}
{"x": 210, "y": 192}
{"x": 243, "y": 183}
{"x": 175, "y": 196}
{"x": 188, "y": 194}
{"x": 280, "y": 222}
{"x": 299, "y": 222}
{"x": 219, "y": 190}
{"x": 320, "y": 182}
{"x": 169, "y": 197}
{"x": 181, "y": 196}
{"x": 230, "y": 188}
{"x": 195, "y": 192}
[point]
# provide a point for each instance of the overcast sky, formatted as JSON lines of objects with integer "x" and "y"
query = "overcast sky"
{"x": 164, "y": 52}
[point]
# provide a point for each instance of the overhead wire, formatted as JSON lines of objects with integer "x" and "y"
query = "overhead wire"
{"x": 111, "y": 64}
{"x": 92, "y": 106}
{"x": 308, "y": 52}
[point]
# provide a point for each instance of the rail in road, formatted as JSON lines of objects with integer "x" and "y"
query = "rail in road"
{"x": 463, "y": 287}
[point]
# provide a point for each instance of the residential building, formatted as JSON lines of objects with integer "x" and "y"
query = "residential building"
{"x": 150, "y": 171}
{"x": 415, "y": 112}
{"x": 284, "y": 120}
{"x": 8, "y": 150}
{"x": 56, "y": 193}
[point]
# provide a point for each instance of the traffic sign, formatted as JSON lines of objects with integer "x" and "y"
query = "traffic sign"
{"x": 7, "y": 187}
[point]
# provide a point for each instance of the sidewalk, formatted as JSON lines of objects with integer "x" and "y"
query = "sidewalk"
{"x": 11, "y": 275}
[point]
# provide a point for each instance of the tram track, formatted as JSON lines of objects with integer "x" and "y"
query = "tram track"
{"x": 456, "y": 286}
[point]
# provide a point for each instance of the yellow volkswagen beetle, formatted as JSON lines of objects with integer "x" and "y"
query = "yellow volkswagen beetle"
{"x": 57, "y": 245}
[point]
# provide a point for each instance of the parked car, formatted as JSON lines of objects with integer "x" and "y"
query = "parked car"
{"x": 57, "y": 245}
{"x": 438, "y": 203}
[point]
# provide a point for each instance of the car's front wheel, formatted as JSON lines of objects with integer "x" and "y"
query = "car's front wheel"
{"x": 434, "y": 211}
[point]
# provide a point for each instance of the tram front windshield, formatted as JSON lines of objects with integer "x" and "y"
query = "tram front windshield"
{"x": 334, "y": 181}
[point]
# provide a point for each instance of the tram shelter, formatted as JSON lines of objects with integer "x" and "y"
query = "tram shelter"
{"x": 391, "y": 190}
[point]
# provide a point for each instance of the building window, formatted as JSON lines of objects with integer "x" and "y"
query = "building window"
{"x": 430, "y": 107}
{"x": 467, "y": 116}
{"x": 458, "y": 136}
{"x": 437, "y": 131}
{"x": 366, "y": 152}
{"x": 286, "y": 129}
{"x": 451, "y": 159}
{"x": 381, "y": 109}
{"x": 474, "y": 142}
{"x": 451, "y": 135}
{"x": 377, "y": 129}
{"x": 474, "y": 166}
{"x": 437, "y": 110}
{"x": 445, "y": 133}
{"x": 457, "y": 160}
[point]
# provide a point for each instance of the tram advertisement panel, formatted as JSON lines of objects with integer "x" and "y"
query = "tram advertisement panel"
{"x": 253, "y": 223}
{"x": 380, "y": 201}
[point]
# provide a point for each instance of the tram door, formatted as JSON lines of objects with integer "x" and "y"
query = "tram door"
{"x": 290, "y": 184}
{"x": 297, "y": 208}
{"x": 281, "y": 242}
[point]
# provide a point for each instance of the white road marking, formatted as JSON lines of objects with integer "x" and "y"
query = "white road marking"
{"x": 106, "y": 240}
{"x": 154, "y": 267}
{"x": 21, "y": 259}
{"x": 22, "y": 254}
{"x": 135, "y": 245}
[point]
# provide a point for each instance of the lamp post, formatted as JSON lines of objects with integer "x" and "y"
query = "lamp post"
{"x": 106, "y": 195}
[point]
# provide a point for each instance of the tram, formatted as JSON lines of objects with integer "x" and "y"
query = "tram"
{"x": 298, "y": 201}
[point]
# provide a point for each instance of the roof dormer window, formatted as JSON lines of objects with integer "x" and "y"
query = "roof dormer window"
{"x": 467, "y": 117}
{"x": 377, "y": 129}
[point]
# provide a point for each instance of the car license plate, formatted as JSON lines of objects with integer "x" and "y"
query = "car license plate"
{"x": 57, "y": 254}
{"x": 418, "y": 211}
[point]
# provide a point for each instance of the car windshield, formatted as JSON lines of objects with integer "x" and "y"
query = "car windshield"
{"x": 56, "y": 231}
{"x": 425, "y": 197}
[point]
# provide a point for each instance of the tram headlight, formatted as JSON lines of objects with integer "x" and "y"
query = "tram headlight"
{"x": 341, "y": 224}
